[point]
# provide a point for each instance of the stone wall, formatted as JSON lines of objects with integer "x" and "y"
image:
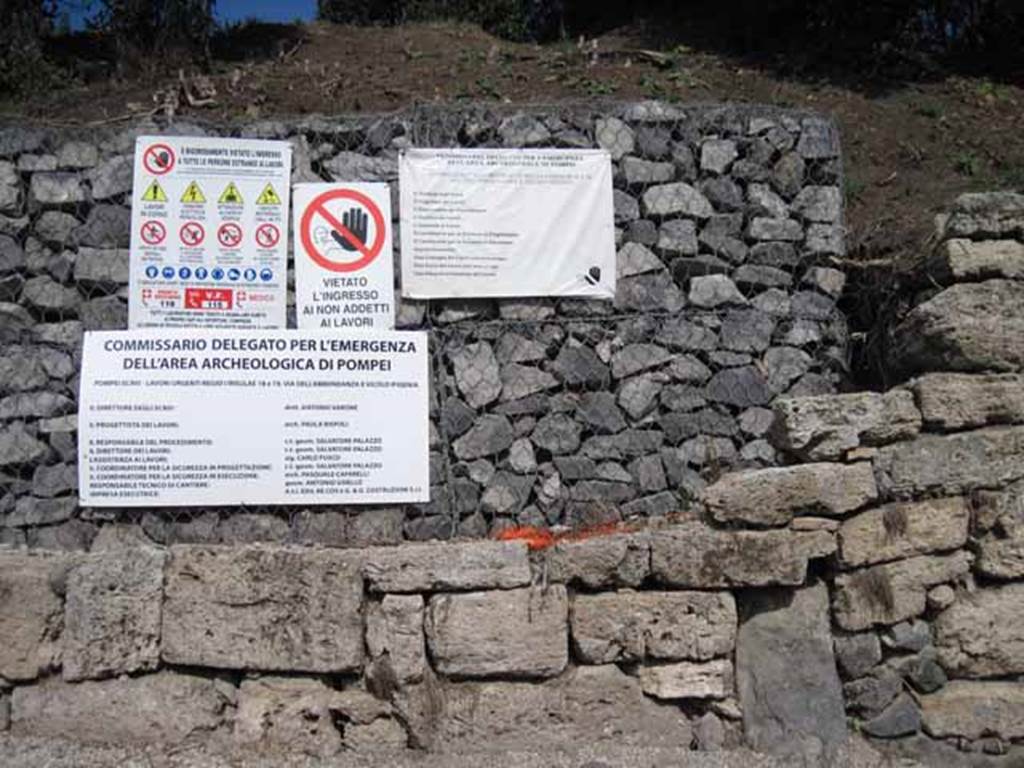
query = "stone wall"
{"x": 544, "y": 412}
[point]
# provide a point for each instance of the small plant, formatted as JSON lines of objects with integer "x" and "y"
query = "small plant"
{"x": 853, "y": 188}
{"x": 967, "y": 163}
{"x": 929, "y": 110}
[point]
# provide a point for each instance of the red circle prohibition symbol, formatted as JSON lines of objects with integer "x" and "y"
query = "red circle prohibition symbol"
{"x": 367, "y": 253}
{"x": 158, "y": 159}
{"x": 229, "y": 234}
{"x": 267, "y": 235}
{"x": 192, "y": 233}
{"x": 153, "y": 232}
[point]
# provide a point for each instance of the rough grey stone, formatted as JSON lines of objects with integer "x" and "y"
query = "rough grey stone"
{"x": 908, "y": 635}
{"x": 818, "y": 139}
{"x": 982, "y": 215}
{"x": 490, "y": 434}
{"x": 682, "y": 397}
{"x": 34, "y": 405}
{"x": 676, "y": 199}
{"x": 716, "y": 155}
{"x": 477, "y": 374}
{"x": 820, "y": 204}
{"x": 512, "y": 633}
{"x": 746, "y": 331}
{"x": 634, "y": 259}
{"x": 31, "y": 511}
{"x": 786, "y": 674}
{"x": 107, "y": 226}
{"x": 108, "y": 313}
{"x": 637, "y": 396}
{"x": 262, "y": 608}
{"x": 56, "y": 189}
{"x": 742, "y": 387}
{"x": 165, "y": 708}
{"x": 53, "y": 480}
{"x": 788, "y": 174}
{"x": 828, "y": 281}
{"x": 626, "y": 207}
{"x": 76, "y": 155}
{"x": 678, "y": 237}
{"x": 900, "y": 718}
{"x": 506, "y": 494}
{"x": 857, "y": 654}
{"x": 825, "y": 240}
{"x": 756, "y": 277}
{"x": 636, "y": 358}
{"x": 723, "y": 194}
{"x": 19, "y": 446}
{"x": 785, "y": 230}
{"x": 637, "y": 171}
{"x": 111, "y": 178}
{"x": 101, "y": 267}
{"x": 765, "y": 202}
{"x": 651, "y": 292}
{"x": 557, "y": 433}
{"x": 579, "y": 366}
{"x": 642, "y": 231}
{"x": 812, "y": 305}
{"x": 871, "y": 694}
{"x": 688, "y": 680}
{"x": 352, "y": 166}
{"x": 714, "y": 291}
{"x": 600, "y": 412}
{"x": 49, "y": 296}
{"x": 678, "y": 333}
{"x": 55, "y": 227}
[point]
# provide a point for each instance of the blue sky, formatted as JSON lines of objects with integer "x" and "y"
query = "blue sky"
{"x": 226, "y": 10}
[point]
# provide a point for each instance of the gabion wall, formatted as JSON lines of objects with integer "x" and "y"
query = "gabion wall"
{"x": 545, "y": 412}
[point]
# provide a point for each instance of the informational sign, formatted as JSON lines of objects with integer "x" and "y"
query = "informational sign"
{"x": 206, "y": 247}
{"x": 172, "y": 417}
{"x": 344, "y": 263}
{"x": 507, "y": 222}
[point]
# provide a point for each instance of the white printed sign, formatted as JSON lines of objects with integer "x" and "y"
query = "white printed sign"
{"x": 344, "y": 263}
{"x": 171, "y": 417}
{"x": 507, "y": 222}
{"x": 209, "y": 233}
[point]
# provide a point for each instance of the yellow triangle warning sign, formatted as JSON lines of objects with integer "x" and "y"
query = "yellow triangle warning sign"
{"x": 193, "y": 194}
{"x": 154, "y": 193}
{"x": 231, "y": 195}
{"x": 268, "y": 196}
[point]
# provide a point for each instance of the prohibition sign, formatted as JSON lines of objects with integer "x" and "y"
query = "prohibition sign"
{"x": 153, "y": 232}
{"x": 367, "y": 252}
{"x": 267, "y": 235}
{"x": 158, "y": 159}
{"x": 229, "y": 234}
{"x": 192, "y": 233}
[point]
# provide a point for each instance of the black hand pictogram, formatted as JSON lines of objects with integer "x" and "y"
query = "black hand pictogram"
{"x": 357, "y": 222}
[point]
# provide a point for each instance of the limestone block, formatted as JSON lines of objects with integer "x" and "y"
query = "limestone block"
{"x": 979, "y": 215}
{"x": 688, "y": 680}
{"x": 112, "y": 617}
{"x": 164, "y": 708}
{"x": 633, "y": 626}
{"x": 956, "y": 400}
{"x": 286, "y": 712}
{"x": 982, "y": 634}
{"x": 951, "y": 464}
{"x": 431, "y": 567}
{"x": 601, "y": 561}
{"x": 901, "y": 530}
{"x": 825, "y": 427}
{"x": 891, "y": 592}
{"x": 31, "y": 613}
{"x": 975, "y": 709}
{"x": 587, "y": 705}
{"x": 774, "y": 496}
{"x": 264, "y": 608}
{"x": 516, "y": 633}
{"x": 697, "y": 556}
{"x": 966, "y": 327}
{"x": 394, "y": 628}
{"x": 959, "y": 260}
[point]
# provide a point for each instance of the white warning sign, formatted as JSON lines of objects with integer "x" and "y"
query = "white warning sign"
{"x": 507, "y": 222}
{"x": 344, "y": 267}
{"x": 206, "y": 248}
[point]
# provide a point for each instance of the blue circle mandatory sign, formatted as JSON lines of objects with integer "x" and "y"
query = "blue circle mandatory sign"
{"x": 266, "y": 275}
{"x": 168, "y": 273}
{"x": 184, "y": 273}
{"x": 152, "y": 272}
{"x": 234, "y": 273}
{"x": 201, "y": 273}
{"x": 217, "y": 274}
{"x": 250, "y": 274}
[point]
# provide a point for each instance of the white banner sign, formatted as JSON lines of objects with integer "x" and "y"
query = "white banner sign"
{"x": 344, "y": 263}
{"x": 507, "y": 222}
{"x": 210, "y": 417}
{"x": 209, "y": 233}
